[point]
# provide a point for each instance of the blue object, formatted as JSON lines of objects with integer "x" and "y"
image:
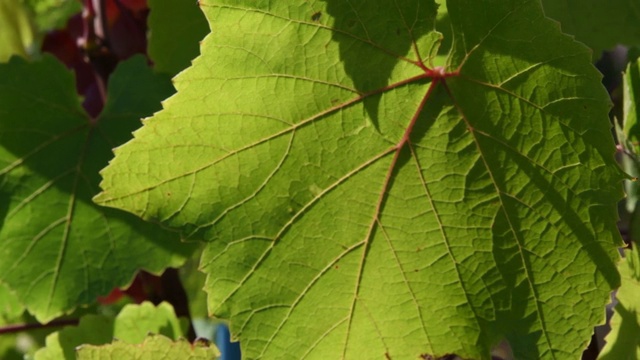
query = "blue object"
{"x": 229, "y": 350}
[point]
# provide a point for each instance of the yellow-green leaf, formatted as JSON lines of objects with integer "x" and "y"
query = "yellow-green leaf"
{"x": 361, "y": 203}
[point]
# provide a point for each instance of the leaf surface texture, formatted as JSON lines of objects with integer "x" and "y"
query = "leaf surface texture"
{"x": 58, "y": 249}
{"x": 361, "y": 202}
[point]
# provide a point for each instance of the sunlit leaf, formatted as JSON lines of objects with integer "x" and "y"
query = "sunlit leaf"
{"x": 599, "y": 24}
{"x": 16, "y": 33}
{"x": 153, "y": 348}
{"x": 361, "y": 202}
{"x": 131, "y": 326}
{"x": 623, "y": 341}
{"x": 58, "y": 249}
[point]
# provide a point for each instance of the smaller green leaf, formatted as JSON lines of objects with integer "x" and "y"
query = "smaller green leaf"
{"x": 53, "y": 14}
{"x": 10, "y": 306}
{"x": 176, "y": 28}
{"x": 623, "y": 341}
{"x": 132, "y": 325}
{"x": 93, "y": 329}
{"x": 193, "y": 282}
{"x": 629, "y": 136}
{"x": 8, "y": 349}
{"x": 600, "y": 24}
{"x": 59, "y": 249}
{"x": 10, "y": 310}
{"x": 443, "y": 24}
{"x": 24, "y": 344}
{"x": 135, "y": 321}
{"x": 153, "y": 347}
{"x": 16, "y": 33}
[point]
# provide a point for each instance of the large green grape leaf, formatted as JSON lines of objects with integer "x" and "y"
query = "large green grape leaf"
{"x": 599, "y": 24}
{"x": 155, "y": 347}
{"x": 361, "y": 203}
{"x": 132, "y": 325}
{"x": 58, "y": 249}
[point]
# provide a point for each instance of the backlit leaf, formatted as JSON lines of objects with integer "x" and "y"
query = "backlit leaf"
{"x": 58, "y": 249}
{"x": 599, "y": 24}
{"x": 362, "y": 203}
{"x": 16, "y": 32}
{"x": 155, "y": 347}
{"x": 131, "y": 326}
{"x": 623, "y": 341}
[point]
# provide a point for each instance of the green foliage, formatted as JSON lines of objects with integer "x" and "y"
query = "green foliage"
{"x": 60, "y": 250}
{"x": 629, "y": 136}
{"x": 599, "y": 24}
{"x": 337, "y": 176}
{"x": 153, "y": 348}
{"x": 10, "y": 311}
{"x": 131, "y": 326}
{"x": 52, "y": 14}
{"x": 7, "y": 348}
{"x": 193, "y": 282}
{"x": 623, "y": 341}
{"x": 10, "y": 306}
{"x": 176, "y": 28}
{"x": 16, "y": 32}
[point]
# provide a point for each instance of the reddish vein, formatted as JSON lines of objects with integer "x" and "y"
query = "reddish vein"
{"x": 438, "y": 75}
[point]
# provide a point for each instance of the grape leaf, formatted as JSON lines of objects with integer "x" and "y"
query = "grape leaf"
{"x": 155, "y": 347}
{"x": 629, "y": 136}
{"x": 60, "y": 250}
{"x": 175, "y": 30}
{"x": 52, "y": 14}
{"x": 623, "y": 341}
{"x": 10, "y": 310}
{"x": 599, "y": 24}
{"x": 16, "y": 32}
{"x": 8, "y": 349}
{"x": 362, "y": 203}
{"x": 10, "y": 307}
{"x": 193, "y": 282}
{"x": 132, "y": 325}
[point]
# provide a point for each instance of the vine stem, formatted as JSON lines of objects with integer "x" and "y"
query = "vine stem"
{"x": 16, "y": 328}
